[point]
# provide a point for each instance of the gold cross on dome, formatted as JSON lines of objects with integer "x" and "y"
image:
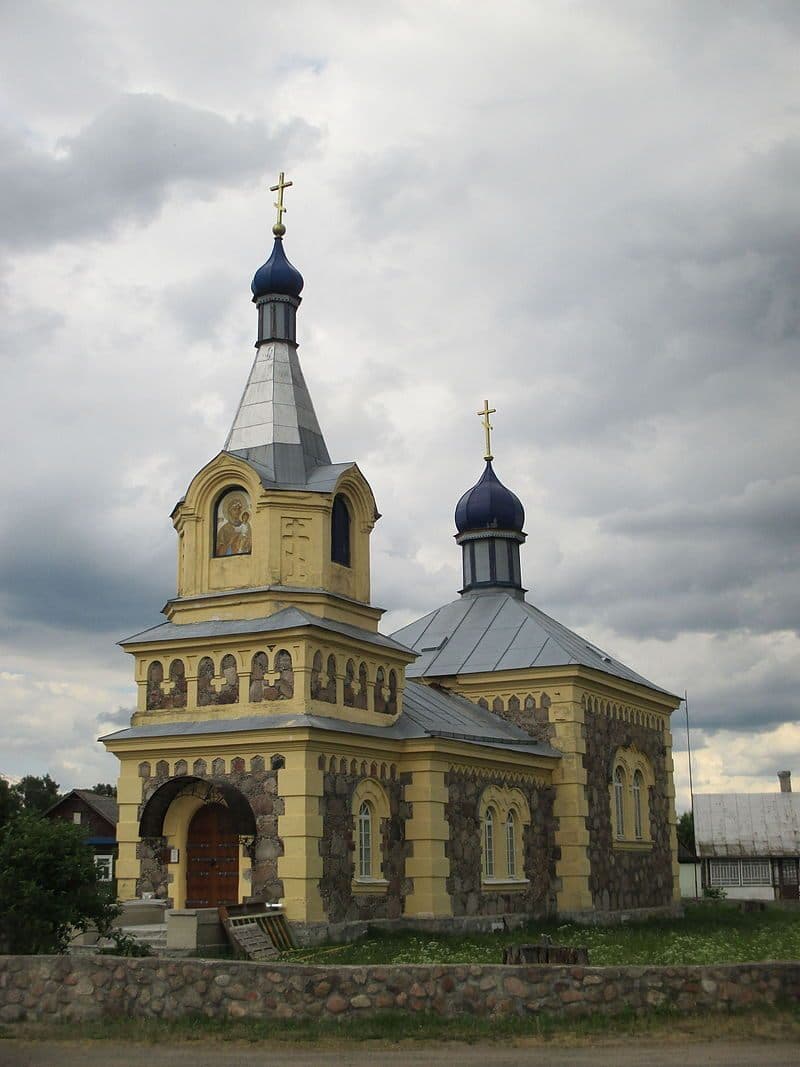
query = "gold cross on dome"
{"x": 279, "y": 229}
{"x": 487, "y": 426}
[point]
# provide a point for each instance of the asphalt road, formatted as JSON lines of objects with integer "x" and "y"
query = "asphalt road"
{"x": 16, "y": 1053}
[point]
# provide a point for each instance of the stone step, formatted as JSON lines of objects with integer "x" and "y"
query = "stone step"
{"x": 155, "y": 936}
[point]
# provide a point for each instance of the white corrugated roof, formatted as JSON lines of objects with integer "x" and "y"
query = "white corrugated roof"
{"x": 747, "y": 824}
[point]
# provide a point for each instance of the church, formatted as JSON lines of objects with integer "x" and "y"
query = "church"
{"x": 482, "y": 761}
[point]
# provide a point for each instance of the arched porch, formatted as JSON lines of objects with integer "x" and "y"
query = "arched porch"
{"x": 197, "y": 841}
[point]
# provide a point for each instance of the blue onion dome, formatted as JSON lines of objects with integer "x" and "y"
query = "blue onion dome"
{"x": 277, "y": 275}
{"x": 488, "y": 505}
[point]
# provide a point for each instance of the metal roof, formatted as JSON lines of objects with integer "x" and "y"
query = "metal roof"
{"x": 747, "y": 824}
{"x": 275, "y": 425}
{"x": 284, "y": 619}
{"x": 500, "y": 632}
{"x": 106, "y": 807}
{"x": 427, "y": 712}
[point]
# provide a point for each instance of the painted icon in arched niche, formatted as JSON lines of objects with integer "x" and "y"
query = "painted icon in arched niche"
{"x": 233, "y": 535}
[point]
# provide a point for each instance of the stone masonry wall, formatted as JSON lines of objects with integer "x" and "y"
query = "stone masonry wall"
{"x": 621, "y": 879}
{"x": 260, "y": 786}
{"x": 463, "y": 849}
{"x": 54, "y": 988}
{"x": 337, "y": 849}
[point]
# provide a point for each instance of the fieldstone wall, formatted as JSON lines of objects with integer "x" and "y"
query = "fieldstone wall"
{"x": 463, "y": 849}
{"x": 53, "y": 988}
{"x": 259, "y": 785}
{"x": 620, "y": 879}
{"x": 337, "y": 848}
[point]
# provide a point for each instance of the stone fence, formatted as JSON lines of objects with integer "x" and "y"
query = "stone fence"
{"x": 53, "y": 988}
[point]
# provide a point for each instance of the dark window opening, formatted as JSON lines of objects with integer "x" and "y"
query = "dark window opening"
{"x": 340, "y": 531}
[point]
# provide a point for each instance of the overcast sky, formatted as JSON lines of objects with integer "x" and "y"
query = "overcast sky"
{"x": 588, "y": 213}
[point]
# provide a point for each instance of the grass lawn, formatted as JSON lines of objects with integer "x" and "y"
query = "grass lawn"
{"x": 768, "y": 1024}
{"x": 709, "y": 933}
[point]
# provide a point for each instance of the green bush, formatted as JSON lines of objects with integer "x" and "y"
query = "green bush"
{"x": 48, "y": 886}
{"x": 714, "y": 892}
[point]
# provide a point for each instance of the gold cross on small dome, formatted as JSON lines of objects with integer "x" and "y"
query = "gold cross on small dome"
{"x": 279, "y": 229}
{"x": 487, "y": 426}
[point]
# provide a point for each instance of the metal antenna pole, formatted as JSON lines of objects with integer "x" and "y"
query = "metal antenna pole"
{"x": 691, "y": 786}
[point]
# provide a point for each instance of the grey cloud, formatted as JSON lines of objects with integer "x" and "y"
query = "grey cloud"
{"x": 119, "y": 717}
{"x": 124, "y": 163}
{"x": 769, "y": 510}
{"x": 82, "y": 579}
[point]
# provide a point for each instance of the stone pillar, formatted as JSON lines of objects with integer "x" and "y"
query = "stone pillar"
{"x": 428, "y": 833}
{"x": 571, "y": 806}
{"x": 129, "y": 797}
{"x": 300, "y": 783}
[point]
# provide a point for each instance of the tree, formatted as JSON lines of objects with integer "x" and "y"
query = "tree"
{"x": 10, "y": 803}
{"x": 685, "y": 831}
{"x": 36, "y": 793}
{"x": 48, "y": 885}
{"x": 104, "y": 789}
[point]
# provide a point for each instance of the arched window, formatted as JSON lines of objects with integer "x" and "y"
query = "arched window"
{"x": 177, "y": 675}
{"x": 340, "y": 531}
{"x": 365, "y": 841}
{"x": 349, "y": 684}
{"x": 511, "y": 845}
{"x": 619, "y": 801}
{"x": 381, "y": 691}
{"x": 629, "y": 795}
{"x": 258, "y": 672}
{"x": 638, "y": 783}
{"x": 155, "y": 676}
{"x": 488, "y": 844}
{"x": 361, "y": 695}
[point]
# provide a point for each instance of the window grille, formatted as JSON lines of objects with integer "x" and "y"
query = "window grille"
{"x": 488, "y": 844}
{"x": 756, "y": 872}
{"x": 637, "y": 805}
{"x": 365, "y": 841}
{"x": 619, "y": 801}
{"x": 511, "y": 845}
{"x": 724, "y": 872}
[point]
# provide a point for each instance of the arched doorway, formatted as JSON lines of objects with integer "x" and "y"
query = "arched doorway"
{"x": 212, "y": 858}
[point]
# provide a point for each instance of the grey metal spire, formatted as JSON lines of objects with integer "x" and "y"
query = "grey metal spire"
{"x": 275, "y": 426}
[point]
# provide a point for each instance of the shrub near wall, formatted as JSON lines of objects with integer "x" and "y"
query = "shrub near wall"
{"x": 54, "y": 988}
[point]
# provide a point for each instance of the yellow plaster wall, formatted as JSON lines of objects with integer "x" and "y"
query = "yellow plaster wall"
{"x": 300, "y": 827}
{"x": 129, "y": 797}
{"x": 290, "y": 534}
{"x": 428, "y": 832}
{"x": 176, "y": 830}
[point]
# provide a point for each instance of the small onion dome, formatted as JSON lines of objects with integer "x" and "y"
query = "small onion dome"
{"x": 277, "y": 275}
{"x": 488, "y": 505}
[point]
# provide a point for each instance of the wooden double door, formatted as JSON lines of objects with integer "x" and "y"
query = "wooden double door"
{"x": 212, "y": 858}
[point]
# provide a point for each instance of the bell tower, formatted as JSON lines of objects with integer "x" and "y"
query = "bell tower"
{"x": 271, "y": 520}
